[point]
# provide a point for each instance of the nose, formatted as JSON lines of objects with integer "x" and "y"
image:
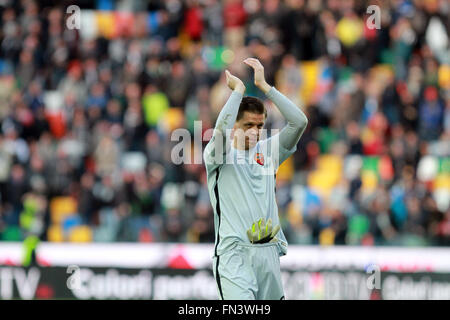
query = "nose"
{"x": 253, "y": 130}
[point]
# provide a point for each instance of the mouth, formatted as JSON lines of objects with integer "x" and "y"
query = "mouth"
{"x": 251, "y": 140}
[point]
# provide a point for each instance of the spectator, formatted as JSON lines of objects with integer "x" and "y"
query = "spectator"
{"x": 75, "y": 103}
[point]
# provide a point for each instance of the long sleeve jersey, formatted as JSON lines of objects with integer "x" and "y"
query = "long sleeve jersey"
{"x": 241, "y": 183}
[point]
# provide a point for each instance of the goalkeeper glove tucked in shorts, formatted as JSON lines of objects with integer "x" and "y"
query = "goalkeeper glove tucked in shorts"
{"x": 262, "y": 232}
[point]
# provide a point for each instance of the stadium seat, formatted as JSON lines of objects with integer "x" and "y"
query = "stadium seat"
{"x": 70, "y": 222}
{"x": 286, "y": 170}
{"x": 444, "y": 76}
{"x": 55, "y": 233}
{"x": 310, "y": 74}
{"x": 442, "y": 181}
{"x": 173, "y": 119}
{"x": 331, "y": 163}
{"x": 106, "y": 24}
{"x": 369, "y": 181}
{"x": 370, "y": 164}
{"x": 294, "y": 213}
{"x": 327, "y": 175}
{"x": 60, "y": 207}
{"x": 81, "y": 234}
{"x": 326, "y": 237}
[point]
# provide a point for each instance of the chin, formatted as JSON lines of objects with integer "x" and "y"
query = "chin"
{"x": 250, "y": 145}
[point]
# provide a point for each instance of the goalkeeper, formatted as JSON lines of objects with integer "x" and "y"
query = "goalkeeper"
{"x": 241, "y": 173}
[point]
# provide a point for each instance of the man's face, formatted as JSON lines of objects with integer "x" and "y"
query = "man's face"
{"x": 248, "y": 129}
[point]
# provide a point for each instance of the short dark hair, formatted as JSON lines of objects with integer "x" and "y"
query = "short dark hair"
{"x": 251, "y": 104}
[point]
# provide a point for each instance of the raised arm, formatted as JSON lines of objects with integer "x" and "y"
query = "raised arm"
{"x": 296, "y": 119}
{"x": 226, "y": 119}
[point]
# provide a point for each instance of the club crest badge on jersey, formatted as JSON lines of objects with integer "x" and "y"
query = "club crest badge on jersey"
{"x": 259, "y": 158}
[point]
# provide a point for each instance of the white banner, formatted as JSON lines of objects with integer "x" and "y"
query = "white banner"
{"x": 197, "y": 256}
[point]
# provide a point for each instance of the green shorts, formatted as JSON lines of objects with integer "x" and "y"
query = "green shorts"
{"x": 249, "y": 272}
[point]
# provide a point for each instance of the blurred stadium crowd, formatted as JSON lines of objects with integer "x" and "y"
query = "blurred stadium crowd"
{"x": 87, "y": 115}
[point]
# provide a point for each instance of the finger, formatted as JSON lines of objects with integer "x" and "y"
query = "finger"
{"x": 249, "y": 62}
{"x": 255, "y": 66}
{"x": 269, "y": 226}
{"x": 263, "y": 228}
{"x": 260, "y": 229}
{"x": 229, "y": 73}
{"x": 250, "y": 235}
{"x": 262, "y": 223}
{"x": 253, "y": 60}
{"x": 275, "y": 230}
